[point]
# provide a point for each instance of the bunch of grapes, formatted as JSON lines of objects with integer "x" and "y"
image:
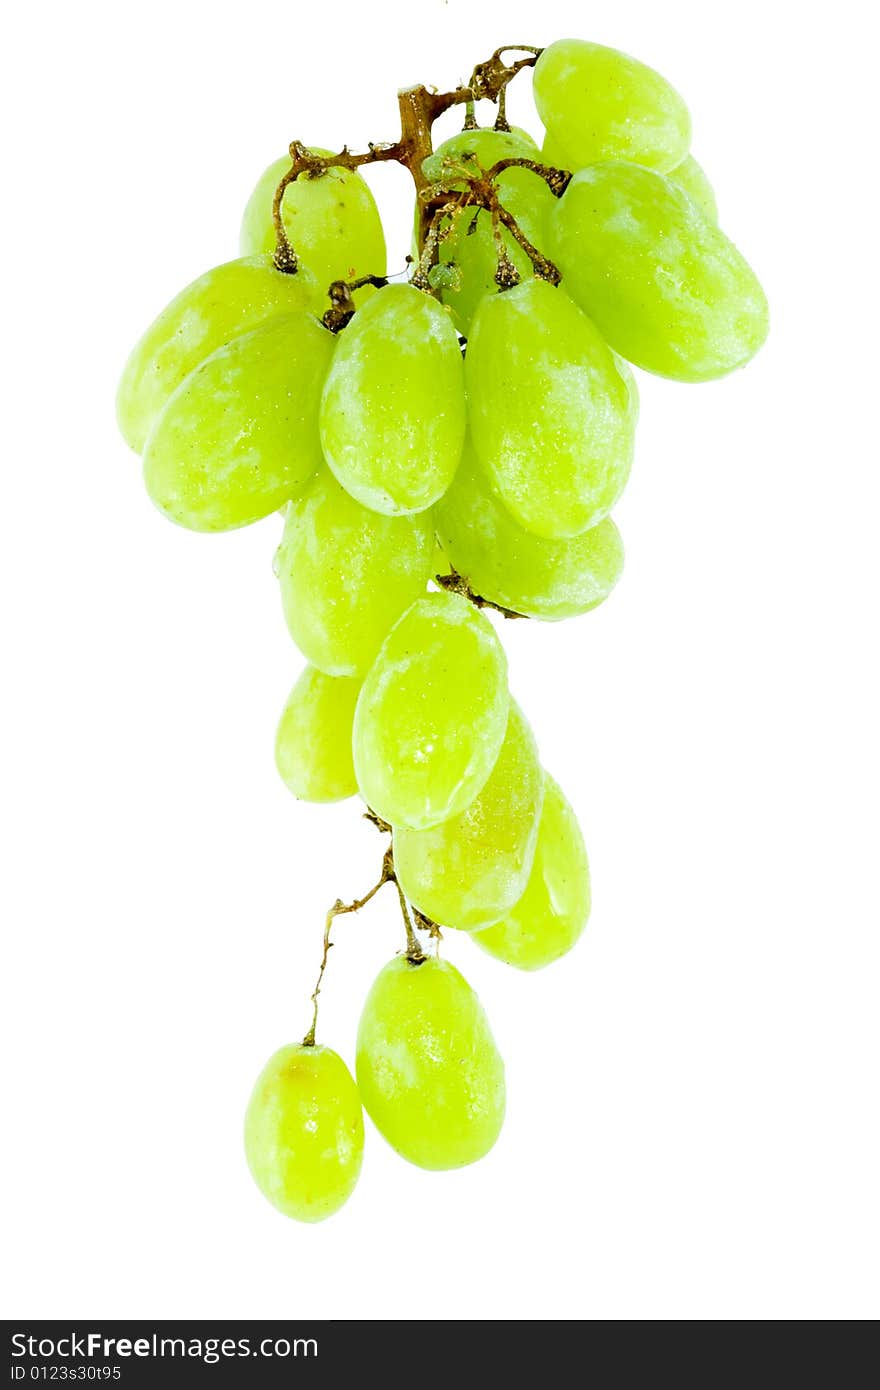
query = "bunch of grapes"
{"x": 438, "y": 447}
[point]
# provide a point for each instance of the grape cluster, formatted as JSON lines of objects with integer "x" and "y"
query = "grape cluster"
{"x": 438, "y": 447}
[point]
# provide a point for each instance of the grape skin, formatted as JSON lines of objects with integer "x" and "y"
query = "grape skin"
{"x": 552, "y": 414}
{"x": 503, "y": 562}
{"x": 313, "y": 741}
{"x": 555, "y": 907}
{"x": 393, "y": 411}
{"x": 332, "y": 223}
{"x": 304, "y": 1132}
{"x": 432, "y": 713}
{"x": 660, "y": 280}
{"x": 598, "y": 103}
{"x": 471, "y": 869}
{"x": 428, "y": 1071}
{"x": 239, "y": 436}
{"x": 347, "y": 574}
{"x": 221, "y": 304}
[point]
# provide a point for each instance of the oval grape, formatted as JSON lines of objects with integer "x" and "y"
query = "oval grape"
{"x": 347, "y": 574}
{"x": 393, "y": 411}
{"x": 553, "y": 910}
{"x": 432, "y": 713}
{"x": 229, "y": 300}
{"x": 552, "y": 413}
{"x": 304, "y": 1132}
{"x": 313, "y": 742}
{"x": 428, "y": 1070}
{"x": 240, "y": 435}
{"x": 598, "y": 103}
{"x": 510, "y": 566}
{"x": 332, "y": 222}
{"x": 471, "y": 869}
{"x": 659, "y": 279}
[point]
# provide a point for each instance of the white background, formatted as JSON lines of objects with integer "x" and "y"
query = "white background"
{"x": 692, "y": 1127}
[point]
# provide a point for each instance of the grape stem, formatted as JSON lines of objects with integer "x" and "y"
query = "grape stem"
{"x": 419, "y": 109}
{"x": 342, "y": 305}
{"x": 481, "y": 192}
{"x": 338, "y": 909}
{"x": 414, "y": 952}
{"x": 455, "y": 583}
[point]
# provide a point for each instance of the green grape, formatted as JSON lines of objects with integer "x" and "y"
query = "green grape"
{"x": 598, "y": 103}
{"x": 510, "y": 566}
{"x": 432, "y": 713}
{"x": 428, "y": 1070}
{"x": 658, "y": 278}
{"x": 304, "y": 1132}
{"x": 552, "y": 414}
{"x": 347, "y": 574}
{"x": 229, "y": 300}
{"x": 393, "y": 412}
{"x": 470, "y": 247}
{"x": 240, "y": 435}
{"x": 471, "y": 869}
{"x": 313, "y": 742}
{"x": 691, "y": 177}
{"x": 332, "y": 222}
{"x": 553, "y": 910}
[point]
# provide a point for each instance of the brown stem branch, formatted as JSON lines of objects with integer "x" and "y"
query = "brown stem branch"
{"x": 337, "y": 910}
{"x": 557, "y": 180}
{"x": 455, "y": 583}
{"x": 544, "y": 269}
{"x": 419, "y": 109}
{"x": 414, "y": 950}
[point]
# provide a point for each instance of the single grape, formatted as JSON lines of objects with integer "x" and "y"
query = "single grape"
{"x": 659, "y": 279}
{"x": 313, "y": 742}
{"x": 240, "y": 435}
{"x": 598, "y": 103}
{"x": 470, "y": 247}
{"x": 428, "y": 1070}
{"x": 552, "y": 414}
{"x": 549, "y": 579}
{"x": 553, "y": 910}
{"x": 432, "y": 713}
{"x": 332, "y": 222}
{"x": 691, "y": 177}
{"x": 304, "y": 1132}
{"x": 393, "y": 412}
{"x": 471, "y": 869}
{"x": 347, "y": 574}
{"x": 229, "y": 300}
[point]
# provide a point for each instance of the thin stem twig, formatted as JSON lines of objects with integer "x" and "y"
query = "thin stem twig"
{"x": 456, "y": 583}
{"x": 414, "y": 950}
{"x": 338, "y": 909}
